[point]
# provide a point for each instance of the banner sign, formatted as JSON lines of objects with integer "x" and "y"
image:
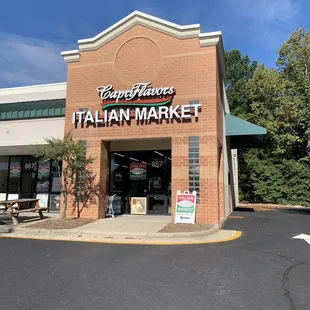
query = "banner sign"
{"x": 185, "y": 208}
{"x": 137, "y": 171}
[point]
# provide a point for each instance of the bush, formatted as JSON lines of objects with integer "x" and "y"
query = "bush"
{"x": 274, "y": 181}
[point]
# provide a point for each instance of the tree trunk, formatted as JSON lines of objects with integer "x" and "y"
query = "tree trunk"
{"x": 63, "y": 215}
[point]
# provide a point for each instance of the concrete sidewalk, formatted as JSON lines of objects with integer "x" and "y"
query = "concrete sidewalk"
{"x": 125, "y": 229}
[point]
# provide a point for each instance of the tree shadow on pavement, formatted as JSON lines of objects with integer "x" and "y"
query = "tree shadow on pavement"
{"x": 296, "y": 211}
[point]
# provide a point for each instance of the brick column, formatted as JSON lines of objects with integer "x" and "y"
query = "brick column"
{"x": 100, "y": 167}
{"x": 208, "y": 209}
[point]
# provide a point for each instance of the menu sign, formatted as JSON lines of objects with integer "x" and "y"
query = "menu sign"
{"x": 137, "y": 171}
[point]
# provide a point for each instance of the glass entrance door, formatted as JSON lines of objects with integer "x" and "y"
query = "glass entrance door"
{"x": 141, "y": 179}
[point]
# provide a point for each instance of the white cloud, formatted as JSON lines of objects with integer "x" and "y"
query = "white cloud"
{"x": 26, "y": 61}
{"x": 267, "y": 22}
{"x": 267, "y": 11}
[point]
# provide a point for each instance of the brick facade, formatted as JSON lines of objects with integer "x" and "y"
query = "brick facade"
{"x": 141, "y": 54}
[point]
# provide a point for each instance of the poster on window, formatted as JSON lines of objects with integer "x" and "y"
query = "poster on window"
{"x": 157, "y": 182}
{"x": 13, "y": 197}
{"x": 185, "y": 208}
{"x": 15, "y": 171}
{"x": 43, "y": 200}
{"x": 137, "y": 171}
{"x": 54, "y": 205}
{"x": 138, "y": 205}
{"x": 44, "y": 170}
{"x": 43, "y": 186}
{"x": 56, "y": 185}
{"x": 118, "y": 177}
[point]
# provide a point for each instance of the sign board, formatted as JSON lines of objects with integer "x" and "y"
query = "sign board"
{"x": 185, "y": 210}
{"x": 137, "y": 171}
{"x": 141, "y": 103}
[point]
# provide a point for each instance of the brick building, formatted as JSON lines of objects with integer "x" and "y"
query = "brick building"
{"x": 147, "y": 98}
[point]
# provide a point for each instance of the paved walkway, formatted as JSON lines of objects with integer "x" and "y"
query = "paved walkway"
{"x": 122, "y": 229}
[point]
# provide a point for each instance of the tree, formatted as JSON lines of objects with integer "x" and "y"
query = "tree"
{"x": 294, "y": 64}
{"x": 274, "y": 105}
{"x": 294, "y": 60}
{"x": 239, "y": 70}
{"x": 278, "y": 100}
{"x": 69, "y": 155}
{"x": 87, "y": 190}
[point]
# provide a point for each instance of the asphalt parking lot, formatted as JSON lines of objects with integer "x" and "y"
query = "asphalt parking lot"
{"x": 264, "y": 269}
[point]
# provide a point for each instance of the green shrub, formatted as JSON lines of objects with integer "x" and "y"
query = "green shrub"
{"x": 274, "y": 181}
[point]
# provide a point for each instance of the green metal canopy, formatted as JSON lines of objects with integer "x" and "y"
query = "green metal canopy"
{"x": 243, "y": 134}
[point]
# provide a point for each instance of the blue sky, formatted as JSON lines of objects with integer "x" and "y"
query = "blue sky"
{"x": 34, "y": 32}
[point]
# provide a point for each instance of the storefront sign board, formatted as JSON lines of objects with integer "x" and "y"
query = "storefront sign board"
{"x": 141, "y": 102}
{"x": 185, "y": 208}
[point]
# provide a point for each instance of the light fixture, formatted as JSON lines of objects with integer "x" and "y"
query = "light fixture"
{"x": 133, "y": 159}
{"x": 121, "y": 155}
{"x": 158, "y": 153}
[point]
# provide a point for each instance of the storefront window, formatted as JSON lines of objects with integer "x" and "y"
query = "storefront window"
{"x": 56, "y": 178}
{"x": 4, "y": 167}
{"x": 142, "y": 174}
{"x": 29, "y": 169}
{"x": 15, "y": 174}
{"x": 43, "y": 181}
{"x": 25, "y": 177}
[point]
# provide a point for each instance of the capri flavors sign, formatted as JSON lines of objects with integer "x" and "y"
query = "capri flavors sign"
{"x": 142, "y": 103}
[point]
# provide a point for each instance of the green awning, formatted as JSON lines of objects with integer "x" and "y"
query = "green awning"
{"x": 243, "y": 134}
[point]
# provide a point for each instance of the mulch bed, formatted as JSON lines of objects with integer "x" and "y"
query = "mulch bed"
{"x": 179, "y": 228}
{"x": 267, "y": 206}
{"x": 60, "y": 224}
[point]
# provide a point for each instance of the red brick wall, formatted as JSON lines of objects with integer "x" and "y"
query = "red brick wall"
{"x": 144, "y": 55}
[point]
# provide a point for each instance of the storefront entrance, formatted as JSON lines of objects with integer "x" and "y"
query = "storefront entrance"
{"x": 140, "y": 182}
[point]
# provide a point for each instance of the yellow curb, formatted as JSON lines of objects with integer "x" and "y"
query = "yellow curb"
{"x": 235, "y": 236}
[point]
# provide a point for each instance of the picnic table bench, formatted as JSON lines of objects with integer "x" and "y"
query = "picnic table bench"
{"x": 8, "y": 204}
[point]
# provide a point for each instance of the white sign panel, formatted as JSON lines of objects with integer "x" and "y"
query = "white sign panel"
{"x": 185, "y": 211}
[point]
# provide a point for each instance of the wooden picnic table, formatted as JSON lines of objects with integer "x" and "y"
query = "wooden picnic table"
{"x": 20, "y": 202}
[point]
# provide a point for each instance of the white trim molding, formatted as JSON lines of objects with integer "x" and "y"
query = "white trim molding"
{"x": 33, "y": 93}
{"x": 152, "y": 22}
{"x": 71, "y": 56}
